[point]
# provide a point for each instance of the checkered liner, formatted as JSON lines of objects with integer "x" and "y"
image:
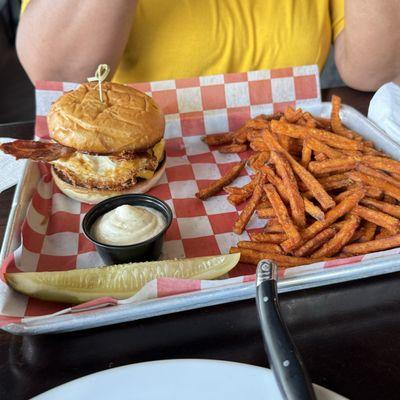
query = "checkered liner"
{"x": 52, "y": 238}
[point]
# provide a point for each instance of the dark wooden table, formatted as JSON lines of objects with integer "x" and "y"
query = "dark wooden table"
{"x": 348, "y": 334}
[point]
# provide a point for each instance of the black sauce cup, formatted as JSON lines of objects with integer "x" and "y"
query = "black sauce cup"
{"x": 147, "y": 250}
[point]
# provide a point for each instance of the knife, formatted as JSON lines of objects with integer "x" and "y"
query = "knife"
{"x": 283, "y": 356}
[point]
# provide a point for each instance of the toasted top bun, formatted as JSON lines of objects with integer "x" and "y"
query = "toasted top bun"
{"x": 126, "y": 119}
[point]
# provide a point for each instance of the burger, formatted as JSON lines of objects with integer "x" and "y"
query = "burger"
{"x": 100, "y": 148}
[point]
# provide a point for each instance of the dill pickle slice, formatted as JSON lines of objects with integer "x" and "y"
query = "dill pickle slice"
{"x": 117, "y": 281}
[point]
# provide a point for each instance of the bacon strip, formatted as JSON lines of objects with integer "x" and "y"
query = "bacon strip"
{"x": 37, "y": 151}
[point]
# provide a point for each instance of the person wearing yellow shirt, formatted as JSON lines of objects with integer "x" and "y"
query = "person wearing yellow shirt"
{"x": 146, "y": 40}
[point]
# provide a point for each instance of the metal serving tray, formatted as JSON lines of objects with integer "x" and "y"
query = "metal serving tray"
{"x": 213, "y": 296}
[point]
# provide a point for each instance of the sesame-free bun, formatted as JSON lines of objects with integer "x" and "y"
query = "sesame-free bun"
{"x": 94, "y": 196}
{"x": 127, "y": 119}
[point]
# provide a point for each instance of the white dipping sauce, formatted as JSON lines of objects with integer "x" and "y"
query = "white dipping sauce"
{"x": 127, "y": 225}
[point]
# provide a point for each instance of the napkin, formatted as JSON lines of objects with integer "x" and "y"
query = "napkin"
{"x": 384, "y": 110}
{"x": 10, "y": 168}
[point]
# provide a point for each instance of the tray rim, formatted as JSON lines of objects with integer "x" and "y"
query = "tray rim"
{"x": 208, "y": 297}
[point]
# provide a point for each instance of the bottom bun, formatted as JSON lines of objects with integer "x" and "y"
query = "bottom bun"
{"x": 93, "y": 196}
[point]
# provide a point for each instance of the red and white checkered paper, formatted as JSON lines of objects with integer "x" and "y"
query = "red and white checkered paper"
{"x": 52, "y": 238}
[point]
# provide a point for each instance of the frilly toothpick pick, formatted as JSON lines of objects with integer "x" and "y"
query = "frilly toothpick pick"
{"x": 100, "y": 75}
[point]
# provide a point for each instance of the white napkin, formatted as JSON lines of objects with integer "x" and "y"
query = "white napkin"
{"x": 10, "y": 168}
{"x": 384, "y": 110}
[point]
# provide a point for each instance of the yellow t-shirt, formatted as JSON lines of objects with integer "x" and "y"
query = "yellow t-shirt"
{"x": 187, "y": 38}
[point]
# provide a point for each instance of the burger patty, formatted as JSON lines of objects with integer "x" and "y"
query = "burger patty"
{"x": 108, "y": 172}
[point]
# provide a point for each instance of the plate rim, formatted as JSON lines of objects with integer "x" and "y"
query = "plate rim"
{"x": 235, "y": 364}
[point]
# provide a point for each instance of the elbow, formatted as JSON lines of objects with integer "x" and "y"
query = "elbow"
{"x": 363, "y": 76}
{"x": 31, "y": 59}
{"x": 42, "y": 63}
{"x": 358, "y": 80}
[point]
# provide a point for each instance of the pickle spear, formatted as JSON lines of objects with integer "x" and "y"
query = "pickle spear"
{"x": 117, "y": 281}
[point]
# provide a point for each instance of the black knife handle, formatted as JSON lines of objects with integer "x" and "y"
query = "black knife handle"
{"x": 282, "y": 353}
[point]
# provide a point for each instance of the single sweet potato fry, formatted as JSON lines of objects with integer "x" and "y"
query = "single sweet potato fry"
{"x": 236, "y": 199}
{"x": 315, "y": 242}
{"x": 332, "y": 178}
{"x": 332, "y": 165}
{"x": 251, "y": 256}
{"x": 352, "y": 153}
{"x": 383, "y": 163}
{"x": 370, "y": 191}
{"x": 373, "y": 245}
{"x": 306, "y": 153}
{"x": 379, "y": 218}
{"x": 332, "y": 185}
{"x": 233, "y": 148}
{"x": 387, "y": 208}
{"x": 266, "y": 213}
{"x": 321, "y": 147}
{"x": 282, "y": 214}
{"x": 234, "y": 190}
{"x": 338, "y": 184}
{"x": 248, "y": 211}
{"x": 296, "y": 202}
{"x": 373, "y": 181}
{"x": 339, "y": 197}
{"x": 217, "y": 185}
{"x": 378, "y": 174}
{"x": 344, "y": 235}
{"x": 245, "y": 190}
{"x": 260, "y": 246}
{"x": 336, "y": 122}
{"x": 218, "y": 139}
{"x": 268, "y": 237}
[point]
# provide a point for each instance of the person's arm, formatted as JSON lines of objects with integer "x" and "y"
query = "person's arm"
{"x": 367, "y": 52}
{"x": 65, "y": 40}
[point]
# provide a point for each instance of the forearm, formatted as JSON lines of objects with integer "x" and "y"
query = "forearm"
{"x": 67, "y": 39}
{"x": 367, "y": 52}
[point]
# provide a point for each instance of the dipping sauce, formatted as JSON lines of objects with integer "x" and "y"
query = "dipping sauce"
{"x": 126, "y": 225}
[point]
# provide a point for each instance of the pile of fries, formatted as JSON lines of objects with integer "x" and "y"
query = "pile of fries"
{"x": 324, "y": 191}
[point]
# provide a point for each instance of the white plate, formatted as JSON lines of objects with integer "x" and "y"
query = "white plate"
{"x": 178, "y": 380}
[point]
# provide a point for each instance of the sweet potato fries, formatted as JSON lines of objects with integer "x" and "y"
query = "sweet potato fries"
{"x": 323, "y": 191}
